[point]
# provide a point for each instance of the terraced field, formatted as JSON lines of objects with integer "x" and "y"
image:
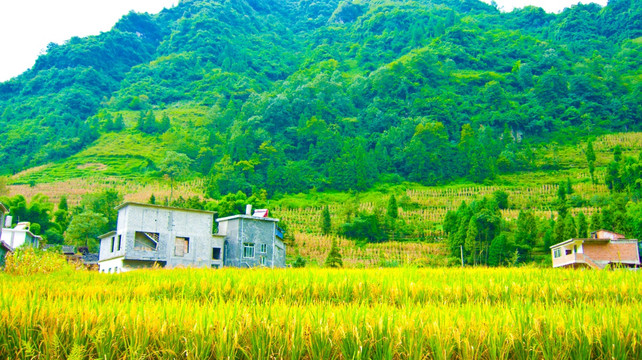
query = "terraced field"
{"x": 421, "y": 208}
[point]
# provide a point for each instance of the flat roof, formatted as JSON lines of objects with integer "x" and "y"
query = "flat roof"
{"x": 173, "y": 208}
{"x": 14, "y": 230}
{"x": 113, "y": 232}
{"x": 591, "y": 240}
{"x": 246, "y": 217}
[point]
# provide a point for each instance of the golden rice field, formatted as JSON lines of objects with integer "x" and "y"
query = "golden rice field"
{"x": 323, "y": 314}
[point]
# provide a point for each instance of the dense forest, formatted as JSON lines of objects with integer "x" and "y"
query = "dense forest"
{"x": 332, "y": 94}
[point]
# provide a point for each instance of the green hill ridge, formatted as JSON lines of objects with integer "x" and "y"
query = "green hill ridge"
{"x": 290, "y": 95}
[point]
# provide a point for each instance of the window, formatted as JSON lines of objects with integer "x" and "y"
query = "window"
{"x": 120, "y": 238}
{"x": 181, "y": 246}
{"x": 557, "y": 253}
{"x": 263, "y": 248}
{"x": 248, "y": 250}
{"x": 112, "y": 243}
{"x": 216, "y": 253}
{"x": 214, "y": 266}
{"x": 145, "y": 241}
{"x": 263, "y": 260}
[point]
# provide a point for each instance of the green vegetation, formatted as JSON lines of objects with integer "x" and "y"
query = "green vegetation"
{"x": 291, "y": 95}
{"x": 30, "y": 261}
{"x": 323, "y": 313}
{"x": 359, "y": 123}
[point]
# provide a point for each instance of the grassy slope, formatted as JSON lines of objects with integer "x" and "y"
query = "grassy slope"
{"x": 122, "y": 161}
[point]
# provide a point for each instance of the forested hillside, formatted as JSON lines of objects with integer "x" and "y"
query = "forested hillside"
{"x": 289, "y": 95}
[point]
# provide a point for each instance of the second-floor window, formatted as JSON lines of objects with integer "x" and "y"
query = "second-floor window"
{"x": 146, "y": 241}
{"x": 181, "y": 246}
{"x": 248, "y": 250}
{"x": 263, "y": 248}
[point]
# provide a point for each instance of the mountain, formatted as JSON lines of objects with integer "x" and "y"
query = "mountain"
{"x": 289, "y": 95}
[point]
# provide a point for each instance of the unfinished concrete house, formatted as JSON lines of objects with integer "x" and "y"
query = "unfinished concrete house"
{"x": 252, "y": 240}
{"x": 601, "y": 249}
{"x": 148, "y": 235}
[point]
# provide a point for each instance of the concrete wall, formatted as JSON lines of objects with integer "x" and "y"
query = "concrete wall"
{"x": 112, "y": 266}
{"x": 16, "y": 238}
{"x": 259, "y": 232}
{"x": 171, "y": 223}
{"x": 168, "y": 223}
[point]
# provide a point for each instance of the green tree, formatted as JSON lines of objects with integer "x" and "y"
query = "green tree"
{"x": 570, "y": 231}
{"x": 549, "y": 233}
{"x": 165, "y": 124}
{"x": 326, "y": 221}
{"x": 392, "y": 211}
{"x": 596, "y": 221}
{"x": 497, "y": 252}
{"x": 569, "y": 187}
{"x": 470, "y": 244}
{"x": 582, "y": 226}
{"x": 365, "y": 226}
{"x": 501, "y": 197}
{"x": 590, "y": 159}
{"x": 606, "y": 220}
{"x": 299, "y": 262}
{"x": 561, "y": 200}
{"x": 617, "y": 153}
{"x": 119, "y": 123}
{"x": 61, "y": 215}
{"x": 613, "y": 178}
{"x": 558, "y": 231}
{"x": 175, "y": 166}
{"x": 103, "y": 203}
{"x": 634, "y": 211}
{"x": 334, "y": 259}
{"x": 85, "y": 228}
{"x": 526, "y": 232}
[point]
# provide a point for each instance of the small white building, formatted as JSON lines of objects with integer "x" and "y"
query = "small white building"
{"x": 19, "y": 235}
{"x": 604, "y": 247}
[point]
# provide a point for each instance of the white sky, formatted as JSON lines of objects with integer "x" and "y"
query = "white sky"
{"x": 551, "y": 6}
{"x": 28, "y": 26}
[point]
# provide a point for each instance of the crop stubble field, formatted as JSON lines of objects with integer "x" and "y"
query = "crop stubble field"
{"x": 406, "y": 313}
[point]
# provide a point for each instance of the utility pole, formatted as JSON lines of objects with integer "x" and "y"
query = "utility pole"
{"x": 461, "y": 250}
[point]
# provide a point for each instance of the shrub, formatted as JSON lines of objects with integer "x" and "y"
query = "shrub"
{"x": 299, "y": 262}
{"x": 27, "y": 261}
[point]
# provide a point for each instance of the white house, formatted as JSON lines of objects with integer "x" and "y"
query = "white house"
{"x": 19, "y": 235}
